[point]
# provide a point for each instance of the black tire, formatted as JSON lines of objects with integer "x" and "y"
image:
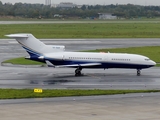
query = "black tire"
{"x": 138, "y": 72}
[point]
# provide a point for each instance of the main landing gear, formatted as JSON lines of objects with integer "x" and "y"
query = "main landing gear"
{"x": 78, "y": 71}
{"x": 138, "y": 72}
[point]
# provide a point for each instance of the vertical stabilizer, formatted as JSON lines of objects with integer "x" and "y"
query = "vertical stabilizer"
{"x": 31, "y": 44}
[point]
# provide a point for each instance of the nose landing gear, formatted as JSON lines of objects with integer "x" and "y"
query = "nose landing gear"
{"x": 138, "y": 72}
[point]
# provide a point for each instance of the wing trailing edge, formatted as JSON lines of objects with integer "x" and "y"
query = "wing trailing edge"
{"x": 49, "y": 64}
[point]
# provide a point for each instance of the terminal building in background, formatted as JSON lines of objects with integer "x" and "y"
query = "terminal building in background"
{"x": 105, "y": 16}
{"x": 48, "y": 2}
{"x": 66, "y": 5}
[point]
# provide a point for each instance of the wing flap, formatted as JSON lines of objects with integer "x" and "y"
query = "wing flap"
{"x": 49, "y": 64}
{"x": 78, "y": 65}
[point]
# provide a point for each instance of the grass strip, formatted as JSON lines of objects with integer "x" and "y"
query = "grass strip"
{"x": 28, "y": 93}
{"x": 22, "y": 61}
{"x": 86, "y": 30}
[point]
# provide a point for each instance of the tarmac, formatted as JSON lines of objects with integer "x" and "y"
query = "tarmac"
{"x": 116, "y": 107}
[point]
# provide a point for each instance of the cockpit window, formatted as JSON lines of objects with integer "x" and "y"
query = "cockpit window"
{"x": 147, "y": 59}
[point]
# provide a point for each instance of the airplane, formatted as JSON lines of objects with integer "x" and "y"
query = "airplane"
{"x": 56, "y": 56}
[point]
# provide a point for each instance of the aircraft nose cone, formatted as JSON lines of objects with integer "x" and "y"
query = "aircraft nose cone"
{"x": 153, "y": 63}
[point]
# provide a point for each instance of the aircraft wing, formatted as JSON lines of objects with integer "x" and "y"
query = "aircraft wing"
{"x": 73, "y": 65}
{"x": 78, "y": 65}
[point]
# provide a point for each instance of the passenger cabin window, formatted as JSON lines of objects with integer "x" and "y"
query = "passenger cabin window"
{"x": 117, "y": 59}
{"x": 83, "y": 58}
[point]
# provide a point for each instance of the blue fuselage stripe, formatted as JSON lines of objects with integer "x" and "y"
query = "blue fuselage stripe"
{"x": 31, "y": 51}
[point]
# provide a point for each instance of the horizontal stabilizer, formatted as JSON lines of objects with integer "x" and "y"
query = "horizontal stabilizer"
{"x": 28, "y": 57}
{"x": 18, "y": 35}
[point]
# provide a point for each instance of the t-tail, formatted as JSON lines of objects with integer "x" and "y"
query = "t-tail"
{"x": 35, "y": 47}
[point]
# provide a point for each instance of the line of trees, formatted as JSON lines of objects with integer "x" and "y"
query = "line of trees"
{"x": 40, "y": 10}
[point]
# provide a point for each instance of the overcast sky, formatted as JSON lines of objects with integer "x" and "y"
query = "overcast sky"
{"x": 91, "y": 2}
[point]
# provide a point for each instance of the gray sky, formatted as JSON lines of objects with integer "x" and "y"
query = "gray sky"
{"x": 91, "y": 2}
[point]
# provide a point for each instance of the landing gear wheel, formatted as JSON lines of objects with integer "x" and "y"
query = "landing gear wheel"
{"x": 78, "y": 72}
{"x": 138, "y": 72}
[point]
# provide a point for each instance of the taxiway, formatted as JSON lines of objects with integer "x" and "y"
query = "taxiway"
{"x": 51, "y": 78}
{"x": 117, "y": 107}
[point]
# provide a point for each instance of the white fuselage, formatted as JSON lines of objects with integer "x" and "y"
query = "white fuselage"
{"x": 105, "y": 58}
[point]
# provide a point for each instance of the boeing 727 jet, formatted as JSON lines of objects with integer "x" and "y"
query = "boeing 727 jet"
{"x": 56, "y": 56}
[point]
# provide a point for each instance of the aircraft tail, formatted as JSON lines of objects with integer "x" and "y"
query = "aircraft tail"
{"x": 35, "y": 47}
{"x": 32, "y": 45}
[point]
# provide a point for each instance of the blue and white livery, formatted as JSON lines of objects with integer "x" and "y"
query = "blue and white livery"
{"x": 56, "y": 56}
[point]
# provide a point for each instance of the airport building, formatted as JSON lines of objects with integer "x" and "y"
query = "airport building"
{"x": 66, "y": 5}
{"x": 106, "y": 16}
